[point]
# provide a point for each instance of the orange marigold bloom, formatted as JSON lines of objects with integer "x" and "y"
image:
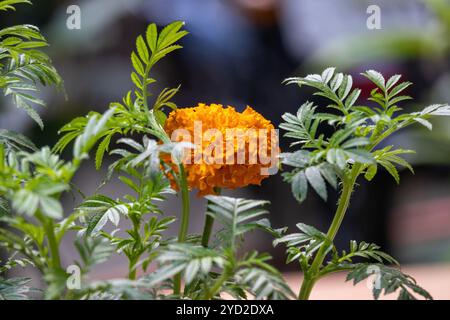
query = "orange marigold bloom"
{"x": 235, "y": 149}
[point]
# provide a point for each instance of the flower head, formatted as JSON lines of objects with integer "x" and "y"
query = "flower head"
{"x": 232, "y": 149}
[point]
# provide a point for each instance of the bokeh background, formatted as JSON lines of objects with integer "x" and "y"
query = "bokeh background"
{"x": 237, "y": 53}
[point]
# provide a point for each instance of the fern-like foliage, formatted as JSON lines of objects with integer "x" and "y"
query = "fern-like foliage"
{"x": 15, "y": 288}
{"x": 387, "y": 280}
{"x": 302, "y": 246}
{"x": 236, "y": 215}
{"x": 209, "y": 272}
{"x": 92, "y": 251}
{"x": 357, "y": 130}
{"x": 24, "y": 66}
{"x": 31, "y": 183}
{"x": 194, "y": 260}
{"x": 9, "y": 4}
{"x": 264, "y": 284}
{"x": 135, "y": 114}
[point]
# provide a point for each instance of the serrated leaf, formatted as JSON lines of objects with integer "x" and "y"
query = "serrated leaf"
{"x": 351, "y": 99}
{"x": 299, "y": 186}
{"x": 346, "y": 86}
{"x": 142, "y": 49}
{"x": 371, "y": 172}
{"x": 337, "y": 81}
{"x": 327, "y": 74}
{"x": 171, "y": 34}
{"x": 51, "y": 207}
{"x": 315, "y": 179}
{"x": 361, "y": 156}
{"x": 102, "y": 148}
{"x": 387, "y": 280}
{"x": 427, "y": 124}
{"x": 376, "y": 77}
{"x": 137, "y": 64}
{"x": 10, "y": 137}
{"x": 391, "y": 169}
{"x": 399, "y": 88}
{"x": 152, "y": 37}
{"x": 392, "y": 81}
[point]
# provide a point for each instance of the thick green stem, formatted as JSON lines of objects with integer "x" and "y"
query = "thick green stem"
{"x": 209, "y": 222}
{"x": 184, "y": 220}
{"x": 209, "y": 294}
{"x": 344, "y": 200}
{"x": 132, "y": 270}
{"x": 2, "y": 156}
{"x": 207, "y": 229}
{"x": 52, "y": 243}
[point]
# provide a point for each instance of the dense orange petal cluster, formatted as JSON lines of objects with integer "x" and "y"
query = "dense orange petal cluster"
{"x": 206, "y": 174}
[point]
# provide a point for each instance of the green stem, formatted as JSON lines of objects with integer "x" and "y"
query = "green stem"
{"x": 344, "y": 200}
{"x": 2, "y": 156}
{"x": 184, "y": 220}
{"x": 52, "y": 243}
{"x": 132, "y": 270}
{"x": 207, "y": 229}
{"x": 209, "y": 294}
{"x": 209, "y": 222}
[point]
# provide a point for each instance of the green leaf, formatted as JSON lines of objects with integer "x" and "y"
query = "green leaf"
{"x": 51, "y": 207}
{"x": 327, "y": 74}
{"x": 236, "y": 215}
{"x": 137, "y": 64}
{"x": 302, "y": 246}
{"x": 301, "y": 126}
{"x": 142, "y": 49}
{"x": 437, "y": 110}
{"x": 355, "y": 142}
{"x": 351, "y": 99}
{"x": 136, "y": 80}
{"x": 103, "y": 146}
{"x": 392, "y": 81}
{"x": 387, "y": 280}
{"x": 391, "y": 169}
{"x": 162, "y": 53}
{"x": 16, "y": 140}
{"x": 376, "y": 77}
{"x": 329, "y": 173}
{"x": 93, "y": 251}
{"x": 346, "y": 86}
{"x": 171, "y": 34}
{"x": 152, "y": 37}
{"x": 337, "y": 81}
{"x": 264, "y": 284}
{"x": 299, "y": 186}
{"x": 193, "y": 260}
{"x": 14, "y": 288}
{"x": 360, "y": 156}
{"x": 371, "y": 172}
{"x": 427, "y": 124}
{"x": 399, "y": 88}
{"x": 102, "y": 209}
{"x": 4, "y": 207}
{"x": 315, "y": 179}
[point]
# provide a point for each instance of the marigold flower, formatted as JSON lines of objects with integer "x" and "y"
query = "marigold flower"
{"x": 232, "y": 149}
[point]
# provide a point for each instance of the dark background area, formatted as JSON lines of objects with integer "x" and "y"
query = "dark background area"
{"x": 237, "y": 53}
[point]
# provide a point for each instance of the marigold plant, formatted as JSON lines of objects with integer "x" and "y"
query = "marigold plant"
{"x": 142, "y": 137}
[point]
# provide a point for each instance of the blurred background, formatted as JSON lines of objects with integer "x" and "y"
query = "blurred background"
{"x": 237, "y": 53}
